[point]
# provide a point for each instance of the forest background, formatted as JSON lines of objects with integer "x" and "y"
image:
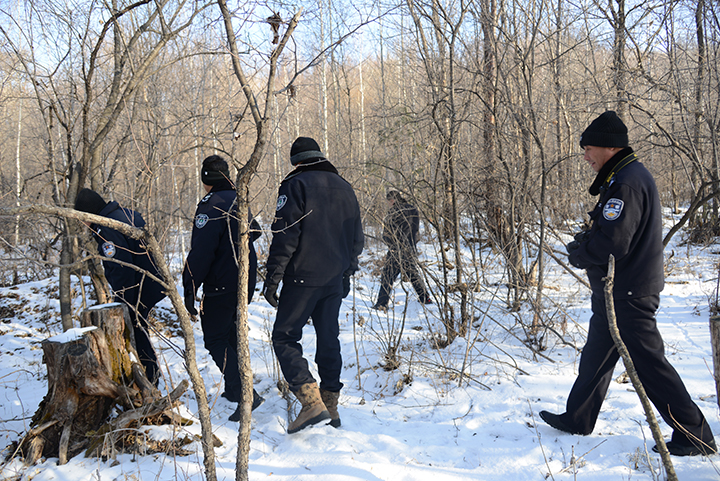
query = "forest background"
{"x": 472, "y": 109}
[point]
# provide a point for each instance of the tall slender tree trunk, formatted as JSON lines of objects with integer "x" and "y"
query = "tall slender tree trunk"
{"x": 699, "y": 98}
{"x": 18, "y": 179}
{"x": 452, "y": 154}
{"x": 619, "y": 71}
{"x": 363, "y": 134}
{"x": 383, "y": 90}
{"x": 489, "y": 185}
{"x": 263, "y": 123}
{"x": 323, "y": 82}
{"x": 243, "y": 347}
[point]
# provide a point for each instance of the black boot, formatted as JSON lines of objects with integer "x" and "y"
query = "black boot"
{"x": 677, "y": 449}
{"x": 556, "y": 421}
{"x": 257, "y": 401}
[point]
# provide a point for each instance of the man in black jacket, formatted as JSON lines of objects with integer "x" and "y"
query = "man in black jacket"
{"x": 626, "y": 223}
{"x": 130, "y": 286}
{"x": 212, "y": 262}
{"x": 400, "y": 234}
{"x": 317, "y": 238}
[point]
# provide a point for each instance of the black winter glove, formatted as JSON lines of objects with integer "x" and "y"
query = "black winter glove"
{"x": 572, "y": 246}
{"x": 582, "y": 236}
{"x": 270, "y": 293}
{"x": 190, "y": 304}
{"x": 346, "y": 286}
{"x": 574, "y": 260}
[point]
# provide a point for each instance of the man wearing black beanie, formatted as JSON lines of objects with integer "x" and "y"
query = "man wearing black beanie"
{"x": 212, "y": 263}
{"x": 317, "y": 238}
{"x": 626, "y": 223}
{"x": 130, "y": 286}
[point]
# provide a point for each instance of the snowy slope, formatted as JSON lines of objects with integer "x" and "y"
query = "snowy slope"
{"x": 413, "y": 423}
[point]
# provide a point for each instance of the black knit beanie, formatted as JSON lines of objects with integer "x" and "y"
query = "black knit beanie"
{"x": 304, "y": 148}
{"x": 214, "y": 170}
{"x": 606, "y": 131}
{"x": 89, "y": 201}
{"x": 395, "y": 195}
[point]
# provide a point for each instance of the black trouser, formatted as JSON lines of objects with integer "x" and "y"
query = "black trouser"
{"x": 400, "y": 261}
{"x": 218, "y": 319}
{"x": 297, "y": 305}
{"x": 665, "y": 389}
{"x": 143, "y": 346}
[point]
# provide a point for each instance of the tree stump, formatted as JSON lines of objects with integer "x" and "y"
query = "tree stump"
{"x": 90, "y": 370}
{"x": 118, "y": 354}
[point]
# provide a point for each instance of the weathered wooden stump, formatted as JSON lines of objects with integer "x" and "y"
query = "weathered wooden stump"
{"x": 90, "y": 370}
{"x": 118, "y": 355}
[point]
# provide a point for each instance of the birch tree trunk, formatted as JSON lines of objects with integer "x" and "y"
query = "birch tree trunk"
{"x": 18, "y": 180}
{"x": 323, "y": 82}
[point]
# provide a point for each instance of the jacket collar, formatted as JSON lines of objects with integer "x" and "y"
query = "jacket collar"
{"x": 222, "y": 185}
{"x": 322, "y": 165}
{"x": 612, "y": 167}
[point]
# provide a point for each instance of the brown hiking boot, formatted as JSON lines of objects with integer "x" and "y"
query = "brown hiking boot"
{"x": 313, "y": 410}
{"x": 330, "y": 399}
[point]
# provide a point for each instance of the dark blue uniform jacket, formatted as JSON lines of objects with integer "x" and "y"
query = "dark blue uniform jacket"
{"x": 125, "y": 281}
{"x": 212, "y": 257}
{"x": 627, "y": 223}
{"x": 317, "y": 233}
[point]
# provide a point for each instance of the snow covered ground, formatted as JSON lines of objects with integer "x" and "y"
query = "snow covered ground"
{"x": 418, "y": 422}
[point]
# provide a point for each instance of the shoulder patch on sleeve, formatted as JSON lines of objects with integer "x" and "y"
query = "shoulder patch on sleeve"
{"x": 201, "y": 220}
{"x": 613, "y": 208}
{"x": 282, "y": 200}
{"x": 108, "y": 249}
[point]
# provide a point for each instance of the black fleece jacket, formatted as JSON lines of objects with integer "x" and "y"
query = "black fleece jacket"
{"x": 317, "y": 232}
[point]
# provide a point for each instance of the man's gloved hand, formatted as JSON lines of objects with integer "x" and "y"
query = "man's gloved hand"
{"x": 582, "y": 236}
{"x": 575, "y": 261}
{"x": 190, "y": 304}
{"x": 270, "y": 293}
{"x": 346, "y": 286}
{"x": 572, "y": 246}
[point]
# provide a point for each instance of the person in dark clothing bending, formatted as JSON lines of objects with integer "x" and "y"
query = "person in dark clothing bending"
{"x": 130, "y": 286}
{"x": 317, "y": 238}
{"x": 626, "y": 223}
{"x": 400, "y": 233}
{"x": 212, "y": 262}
